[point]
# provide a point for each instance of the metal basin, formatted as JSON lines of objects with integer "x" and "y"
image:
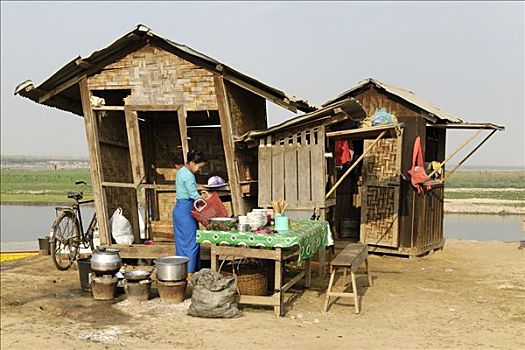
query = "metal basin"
{"x": 222, "y": 224}
{"x": 172, "y": 268}
{"x": 137, "y": 275}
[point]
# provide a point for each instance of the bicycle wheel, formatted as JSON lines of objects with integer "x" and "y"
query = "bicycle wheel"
{"x": 65, "y": 241}
{"x": 88, "y": 236}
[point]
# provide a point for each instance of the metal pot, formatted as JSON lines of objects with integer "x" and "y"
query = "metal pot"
{"x": 221, "y": 224}
{"x": 172, "y": 268}
{"x": 136, "y": 275}
{"x": 105, "y": 260}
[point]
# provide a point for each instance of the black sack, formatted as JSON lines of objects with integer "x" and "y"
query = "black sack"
{"x": 214, "y": 296}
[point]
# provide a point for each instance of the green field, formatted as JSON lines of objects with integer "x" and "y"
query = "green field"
{"x": 50, "y": 186}
{"x": 42, "y": 186}
{"x": 487, "y": 179}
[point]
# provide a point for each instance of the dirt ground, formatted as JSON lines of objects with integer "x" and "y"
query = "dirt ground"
{"x": 469, "y": 296}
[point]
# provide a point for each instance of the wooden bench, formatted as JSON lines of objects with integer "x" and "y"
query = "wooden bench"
{"x": 352, "y": 256}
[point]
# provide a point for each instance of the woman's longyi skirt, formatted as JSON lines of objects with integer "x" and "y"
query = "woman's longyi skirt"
{"x": 185, "y": 230}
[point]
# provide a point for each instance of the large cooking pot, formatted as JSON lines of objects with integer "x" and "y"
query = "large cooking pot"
{"x": 172, "y": 268}
{"x": 105, "y": 260}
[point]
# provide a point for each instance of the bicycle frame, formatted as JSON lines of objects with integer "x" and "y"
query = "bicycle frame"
{"x": 75, "y": 209}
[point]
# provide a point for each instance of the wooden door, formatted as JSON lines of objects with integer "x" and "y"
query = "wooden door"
{"x": 380, "y": 194}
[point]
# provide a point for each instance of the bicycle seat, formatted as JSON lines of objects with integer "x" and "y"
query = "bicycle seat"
{"x": 75, "y": 195}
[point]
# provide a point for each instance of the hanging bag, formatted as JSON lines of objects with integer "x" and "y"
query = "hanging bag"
{"x": 210, "y": 207}
{"x": 417, "y": 173}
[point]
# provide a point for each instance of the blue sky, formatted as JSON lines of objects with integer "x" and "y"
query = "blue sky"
{"x": 467, "y": 58}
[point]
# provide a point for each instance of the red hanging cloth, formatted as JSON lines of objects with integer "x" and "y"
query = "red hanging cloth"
{"x": 417, "y": 172}
{"x": 343, "y": 152}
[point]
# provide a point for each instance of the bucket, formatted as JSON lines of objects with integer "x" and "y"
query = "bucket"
{"x": 43, "y": 245}
{"x": 84, "y": 269}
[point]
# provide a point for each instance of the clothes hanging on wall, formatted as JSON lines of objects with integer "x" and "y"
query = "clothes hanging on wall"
{"x": 344, "y": 152}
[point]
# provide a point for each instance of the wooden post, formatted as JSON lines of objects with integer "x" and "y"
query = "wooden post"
{"x": 181, "y": 113}
{"x": 94, "y": 159}
{"x": 227, "y": 140}
{"x": 135, "y": 146}
{"x": 278, "y": 293}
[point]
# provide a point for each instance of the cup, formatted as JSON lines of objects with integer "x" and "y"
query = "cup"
{"x": 281, "y": 222}
{"x": 243, "y": 219}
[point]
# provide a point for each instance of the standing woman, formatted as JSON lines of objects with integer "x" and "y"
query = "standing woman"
{"x": 184, "y": 225}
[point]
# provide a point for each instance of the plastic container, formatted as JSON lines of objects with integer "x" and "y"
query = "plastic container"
{"x": 43, "y": 245}
{"x": 84, "y": 269}
{"x": 281, "y": 222}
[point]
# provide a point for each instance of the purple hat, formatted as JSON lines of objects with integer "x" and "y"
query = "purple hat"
{"x": 216, "y": 181}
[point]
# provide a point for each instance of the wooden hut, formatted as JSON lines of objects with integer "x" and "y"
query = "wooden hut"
{"x": 373, "y": 202}
{"x": 146, "y": 101}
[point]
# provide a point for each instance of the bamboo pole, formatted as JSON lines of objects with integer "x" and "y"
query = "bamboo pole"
{"x": 354, "y": 165}
{"x": 468, "y": 155}
{"x": 467, "y": 141}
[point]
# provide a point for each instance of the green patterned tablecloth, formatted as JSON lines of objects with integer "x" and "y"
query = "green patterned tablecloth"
{"x": 308, "y": 235}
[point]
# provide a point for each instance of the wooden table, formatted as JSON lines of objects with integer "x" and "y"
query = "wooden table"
{"x": 301, "y": 243}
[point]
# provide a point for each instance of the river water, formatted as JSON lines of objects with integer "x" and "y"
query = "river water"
{"x": 21, "y": 225}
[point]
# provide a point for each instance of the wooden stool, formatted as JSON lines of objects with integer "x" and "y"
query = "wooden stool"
{"x": 350, "y": 258}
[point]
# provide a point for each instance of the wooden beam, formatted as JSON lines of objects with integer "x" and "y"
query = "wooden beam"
{"x": 153, "y": 107}
{"x": 135, "y": 146}
{"x": 61, "y": 88}
{"x": 291, "y": 106}
{"x": 270, "y": 254}
{"x": 293, "y": 281}
{"x": 118, "y": 184}
{"x": 95, "y": 162}
{"x": 141, "y": 251}
{"x": 229, "y": 147}
{"x": 183, "y": 128}
{"x": 108, "y": 108}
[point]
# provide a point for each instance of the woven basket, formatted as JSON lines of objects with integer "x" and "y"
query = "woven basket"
{"x": 250, "y": 280}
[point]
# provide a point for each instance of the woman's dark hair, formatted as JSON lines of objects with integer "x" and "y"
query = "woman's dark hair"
{"x": 196, "y": 157}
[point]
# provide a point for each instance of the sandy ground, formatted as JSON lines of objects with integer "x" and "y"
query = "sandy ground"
{"x": 469, "y": 296}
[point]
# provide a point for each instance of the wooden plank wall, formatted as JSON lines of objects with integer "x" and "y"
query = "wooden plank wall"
{"x": 292, "y": 167}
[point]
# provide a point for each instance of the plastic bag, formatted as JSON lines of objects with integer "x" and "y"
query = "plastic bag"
{"x": 382, "y": 117}
{"x": 121, "y": 228}
{"x": 142, "y": 224}
{"x": 214, "y": 295}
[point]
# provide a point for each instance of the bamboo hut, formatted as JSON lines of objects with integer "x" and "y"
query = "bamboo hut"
{"x": 373, "y": 201}
{"x": 146, "y": 101}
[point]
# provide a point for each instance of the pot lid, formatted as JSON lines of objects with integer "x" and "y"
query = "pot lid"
{"x": 172, "y": 260}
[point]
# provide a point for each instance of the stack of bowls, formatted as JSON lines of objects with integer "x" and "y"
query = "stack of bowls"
{"x": 257, "y": 218}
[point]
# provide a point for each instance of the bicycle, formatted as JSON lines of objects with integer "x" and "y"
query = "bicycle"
{"x": 68, "y": 233}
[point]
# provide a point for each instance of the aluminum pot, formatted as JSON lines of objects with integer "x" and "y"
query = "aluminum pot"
{"x": 105, "y": 260}
{"x": 172, "y": 268}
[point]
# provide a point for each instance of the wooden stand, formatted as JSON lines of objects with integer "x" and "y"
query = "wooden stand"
{"x": 276, "y": 254}
{"x": 350, "y": 258}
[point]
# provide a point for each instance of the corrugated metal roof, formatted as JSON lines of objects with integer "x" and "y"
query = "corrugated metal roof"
{"x": 137, "y": 38}
{"x": 406, "y": 95}
{"x": 350, "y": 106}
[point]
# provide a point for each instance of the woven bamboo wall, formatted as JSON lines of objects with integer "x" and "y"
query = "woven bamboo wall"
{"x": 158, "y": 77}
